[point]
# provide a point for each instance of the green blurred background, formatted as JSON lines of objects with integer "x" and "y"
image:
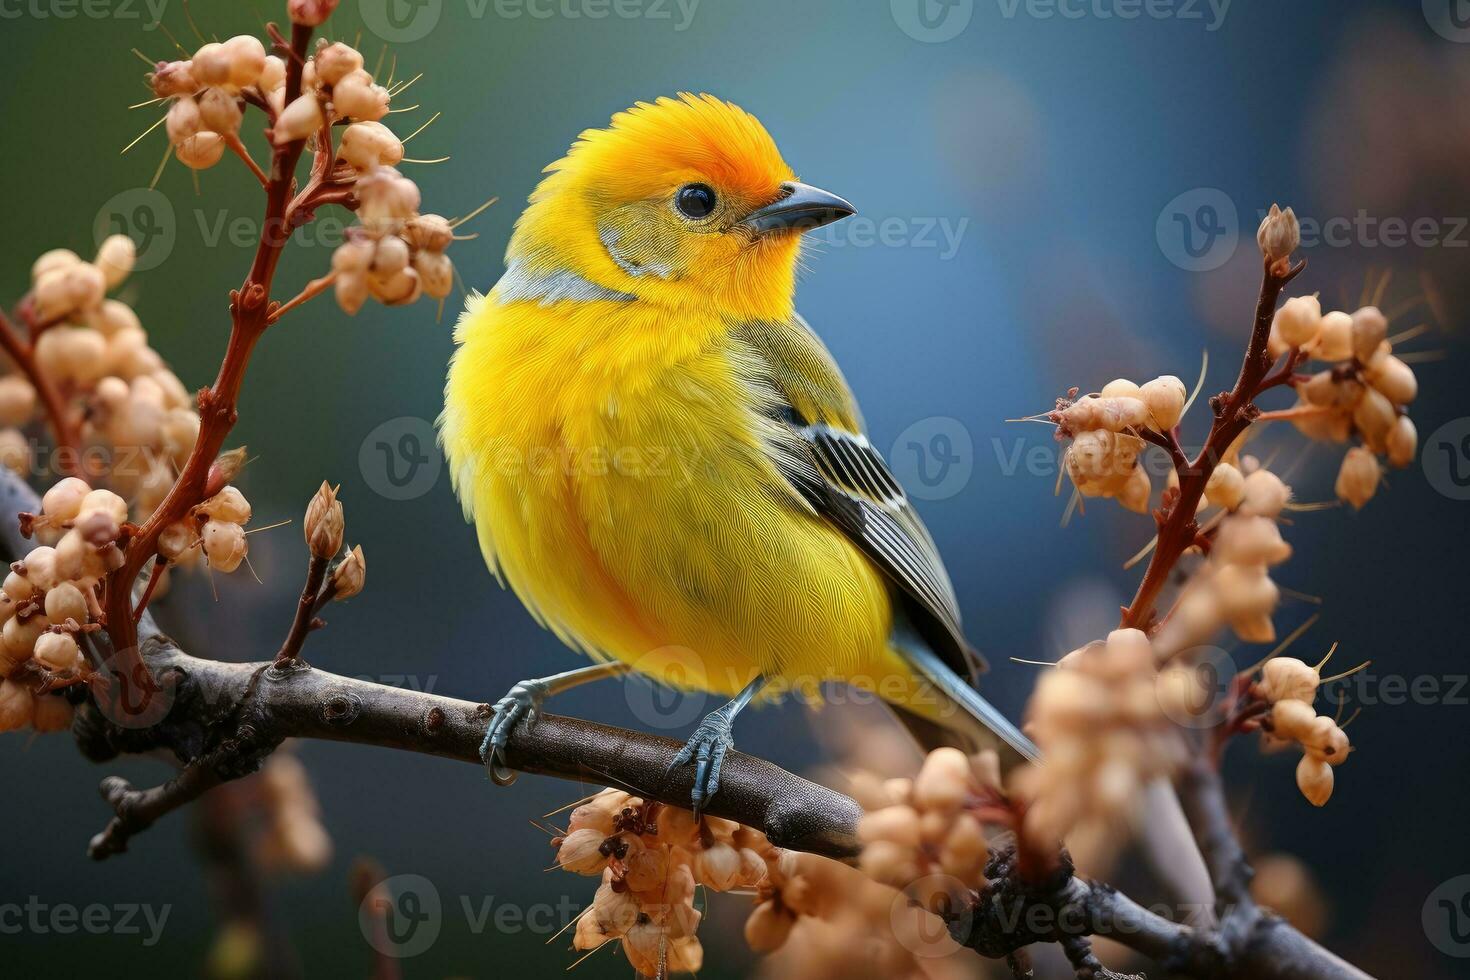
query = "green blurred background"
{"x": 1045, "y": 183}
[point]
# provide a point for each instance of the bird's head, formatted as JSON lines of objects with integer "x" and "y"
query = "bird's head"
{"x": 681, "y": 201}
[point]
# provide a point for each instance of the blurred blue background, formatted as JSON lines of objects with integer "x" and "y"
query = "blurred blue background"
{"x": 1045, "y": 200}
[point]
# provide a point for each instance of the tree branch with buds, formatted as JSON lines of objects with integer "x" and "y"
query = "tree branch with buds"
{"x": 86, "y": 360}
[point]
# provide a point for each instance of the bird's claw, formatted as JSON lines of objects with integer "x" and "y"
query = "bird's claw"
{"x": 521, "y": 701}
{"x": 706, "y": 748}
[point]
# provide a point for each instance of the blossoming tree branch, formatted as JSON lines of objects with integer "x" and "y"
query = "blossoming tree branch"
{"x": 986, "y": 860}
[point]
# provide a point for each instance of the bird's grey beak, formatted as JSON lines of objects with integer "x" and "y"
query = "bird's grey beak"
{"x": 802, "y": 207}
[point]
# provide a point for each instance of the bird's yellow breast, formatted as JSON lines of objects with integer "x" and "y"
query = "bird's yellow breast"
{"x": 612, "y": 461}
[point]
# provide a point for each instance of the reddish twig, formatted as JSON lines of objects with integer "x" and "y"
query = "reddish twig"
{"x": 306, "y": 610}
{"x": 1235, "y": 410}
{"x": 23, "y": 352}
{"x": 250, "y": 310}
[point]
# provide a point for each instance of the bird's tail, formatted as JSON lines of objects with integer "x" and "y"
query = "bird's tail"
{"x": 947, "y": 711}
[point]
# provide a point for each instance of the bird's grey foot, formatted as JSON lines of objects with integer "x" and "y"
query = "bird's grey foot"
{"x": 706, "y": 748}
{"x": 521, "y": 701}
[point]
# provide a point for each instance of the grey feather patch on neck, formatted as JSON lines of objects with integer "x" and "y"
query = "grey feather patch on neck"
{"x": 519, "y": 283}
{"x": 610, "y": 238}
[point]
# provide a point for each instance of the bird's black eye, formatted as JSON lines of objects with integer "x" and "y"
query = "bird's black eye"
{"x": 695, "y": 200}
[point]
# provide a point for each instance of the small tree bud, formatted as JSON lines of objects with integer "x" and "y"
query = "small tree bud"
{"x": 17, "y": 400}
{"x": 1279, "y": 235}
{"x": 350, "y": 575}
{"x": 115, "y": 258}
{"x": 1314, "y": 778}
{"x": 1299, "y": 320}
{"x": 228, "y": 505}
{"x": 336, "y": 61}
{"x": 173, "y": 78}
{"x": 246, "y": 55}
{"x": 58, "y": 651}
{"x": 224, "y": 544}
{"x": 17, "y": 707}
{"x": 1335, "y": 339}
{"x": 212, "y": 64}
{"x": 1402, "y": 442}
{"x": 356, "y": 97}
{"x": 1164, "y": 397}
{"x": 298, "y": 120}
{"x": 1357, "y": 480}
{"x": 310, "y": 13}
{"x": 430, "y": 232}
{"x": 201, "y": 151}
{"x": 220, "y": 111}
{"x": 324, "y": 522}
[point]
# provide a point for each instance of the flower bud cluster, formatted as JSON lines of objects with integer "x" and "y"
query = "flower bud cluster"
{"x": 95, "y": 350}
{"x": 47, "y": 600}
{"x": 1102, "y": 459}
{"x": 396, "y": 255}
{"x": 650, "y": 857}
{"x": 1234, "y": 587}
{"x": 216, "y": 527}
{"x": 1289, "y": 686}
{"x": 1103, "y": 719}
{"x": 924, "y": 836}
{"x": 209, "y": 92}
{"x": 1363, "y": 392}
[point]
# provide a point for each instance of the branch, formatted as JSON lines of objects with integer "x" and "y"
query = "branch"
{"x": 224, "y": 719}
{"x": 250, "y": 310}
{"x": 1235, "y": 410}
{"x": 63, "y": 428}
{"x": 227, "y": 717}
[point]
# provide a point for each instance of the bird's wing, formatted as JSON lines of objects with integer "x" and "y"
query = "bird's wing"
{"x": 819, "y": 446}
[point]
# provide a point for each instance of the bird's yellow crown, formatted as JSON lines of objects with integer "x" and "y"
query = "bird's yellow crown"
{"x": 652, "y": 207}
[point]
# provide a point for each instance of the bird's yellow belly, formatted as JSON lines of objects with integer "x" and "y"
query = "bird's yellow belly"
{"x": 649, "y": 526}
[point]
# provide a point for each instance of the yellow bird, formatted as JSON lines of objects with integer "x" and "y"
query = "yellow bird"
{"x": 663, "y": 460}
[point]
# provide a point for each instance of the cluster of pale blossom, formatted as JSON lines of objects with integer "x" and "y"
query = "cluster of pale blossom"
{"x": 95, "y": 351}
{"x": 1234, "y": 587}
{"x": 924, "y": 836}
{"x": 650, "y": 858}
{"x": 1290, "y": 687}
{"x": 209, "y": 92}
{"x": 1105, "y": 719}
{"x": 1102, "y": 460}
{"x": 47, "y": 600}
{"x": 1363, "y": 392}
{"x": 395, "y": 255}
